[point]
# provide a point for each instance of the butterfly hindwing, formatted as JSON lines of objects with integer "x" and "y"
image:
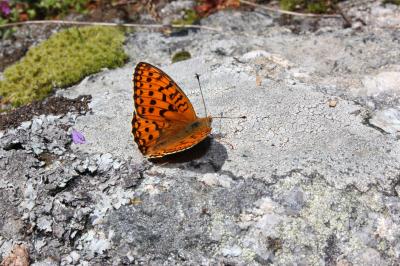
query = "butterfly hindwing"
{"x": 180, "y": 144}
{"x": 146, "y": 132}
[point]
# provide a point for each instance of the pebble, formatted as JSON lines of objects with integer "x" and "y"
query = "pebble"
{"x": 332, "y": 103}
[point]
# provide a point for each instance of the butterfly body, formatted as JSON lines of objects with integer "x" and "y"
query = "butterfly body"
{"x": 164, "y": 121}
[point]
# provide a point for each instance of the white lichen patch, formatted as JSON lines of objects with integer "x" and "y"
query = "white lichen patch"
{"x": 213, "y": 179}
{"x": 30, "y": 195}
{"x": 328, "y": 216}
{"x": 112, "y": 199}
{"x": 96, "y": 242}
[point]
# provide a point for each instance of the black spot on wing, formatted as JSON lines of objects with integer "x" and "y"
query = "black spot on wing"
{"x": 179, "y": 98}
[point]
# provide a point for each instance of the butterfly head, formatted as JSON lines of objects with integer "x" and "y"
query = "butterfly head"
{"x": 201, "y": 123}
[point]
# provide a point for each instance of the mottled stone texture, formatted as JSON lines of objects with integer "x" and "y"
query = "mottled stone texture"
{"x": 299, "y": 181}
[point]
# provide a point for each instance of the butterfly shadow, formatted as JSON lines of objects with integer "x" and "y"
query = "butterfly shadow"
{"x": 205, "y": 157}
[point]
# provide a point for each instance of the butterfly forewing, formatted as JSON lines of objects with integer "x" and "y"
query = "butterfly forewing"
{"x": 157, "y": 95}
{"x": 164, "y": 121}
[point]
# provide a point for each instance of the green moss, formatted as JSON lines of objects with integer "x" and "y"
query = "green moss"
{"x": 319, "y": 7}
{"x": 290, "y": 4}
{"x": 62, "y": 60}
{"x": 190, "y": 17}
{"x": 180, "y": 56}
{"x": 312, "y": 6}
{"x": 396, "y": 2}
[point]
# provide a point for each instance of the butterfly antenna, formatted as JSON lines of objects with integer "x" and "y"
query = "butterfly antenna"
{"x": 220, "y": 123}
{"x": 231, "y": 117}
{"x": 202, "y": 97}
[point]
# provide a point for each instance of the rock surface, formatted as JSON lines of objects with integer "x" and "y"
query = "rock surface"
{"x": 299, "y": 181}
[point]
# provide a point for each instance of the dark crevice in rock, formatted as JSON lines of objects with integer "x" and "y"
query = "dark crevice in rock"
{"x": 275, "y": 244}
{"x": 140, "y": 172}
{"x": 14, "y": 146}
{"x": 331, "y": 250}
{"x": 47, "y": 158}
{"x": 86, "y": 227}
{"x": 52, "y": 105}
{"x": 68, "y": 185}
{"x": 231, "y": 175}
{"x": 366, "y": 121}
{"x": 351, "y": 188}
{"x": 276, "y": 177}
{"x": 396, "y": 183}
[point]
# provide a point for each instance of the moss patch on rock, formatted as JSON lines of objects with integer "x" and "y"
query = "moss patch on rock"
{"x": 181, "y": 56}
{"x": 62, "y": 60}
{"x": 312, "y": 6}
{"x": 396, "y": 2}
{"x": 189, "y": 18}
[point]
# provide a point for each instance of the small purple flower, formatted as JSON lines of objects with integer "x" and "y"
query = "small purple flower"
{"x": 78, "y": 137}
{"x": 5, "y": 7}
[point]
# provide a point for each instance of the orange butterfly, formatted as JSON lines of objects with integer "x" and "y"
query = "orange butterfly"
{"x": 164, "y": 121}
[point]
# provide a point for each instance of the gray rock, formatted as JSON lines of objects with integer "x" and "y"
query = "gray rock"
{"x": 46, "y": 262}
{"x": 71, "y": 259}
{"x": 386, "y": 81}
{"x": 233, "y": 251}
{"x": 387, "y": 119}
{"x": 44, "y": 223}
{"x": 92, "y": 168}
{"x": 212, "y": 179}
{"x": 299, "y": 181}
{"x": 26, "y": 125}
{"x": 105, "y": 162}
{"x": 36, "y": 125}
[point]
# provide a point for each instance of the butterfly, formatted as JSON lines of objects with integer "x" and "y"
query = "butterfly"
{"x": 164, "y": 121}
